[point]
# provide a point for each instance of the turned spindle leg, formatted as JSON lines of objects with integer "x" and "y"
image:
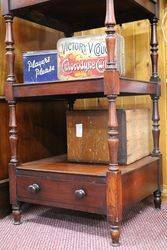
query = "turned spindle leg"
{"x": 69, "y": 33}
{"x": 156, "y": 149}
{"x": 155, "y": 130}
{"x": 114, "y": 188}
{"x": 155, "y": 78}
{"x": 155, "y": 115}
{"x": 157, "y": 199}
{"x": 111, "y": 90}
{"x": 71, "y": 103}
{"x": 16, "y": 213}
{"x": 13, "y": 137}
{"x": 154, "y": 50}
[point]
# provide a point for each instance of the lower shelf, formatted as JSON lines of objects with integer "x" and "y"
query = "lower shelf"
{"x": 60, "y": 164}
{"x": 56, "y": 182}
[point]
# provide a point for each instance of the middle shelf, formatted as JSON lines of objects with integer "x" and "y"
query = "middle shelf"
{"x": 82, "y": 88}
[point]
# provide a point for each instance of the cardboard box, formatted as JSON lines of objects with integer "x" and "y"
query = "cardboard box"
{"x": 87, "y": 135}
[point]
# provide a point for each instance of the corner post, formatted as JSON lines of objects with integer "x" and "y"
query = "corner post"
{"x": 154, "y": 50}
{"x": 13, "y": 137}
{"x": 155, "y": 110}
{"x": 71, "y": 103}
{"x": 111, "y": 90}
{"x": 155, "y": 130}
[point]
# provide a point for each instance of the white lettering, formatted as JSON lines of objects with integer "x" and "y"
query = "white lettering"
{"x": 40, "y": 72}
{"x": 34, "y": 64}
{"x": 69, "y": 67}
{"x": 92, "y": 47}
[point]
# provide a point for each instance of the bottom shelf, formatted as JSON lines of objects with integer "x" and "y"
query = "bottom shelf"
{"x": 56, "y": 182}
{"x": 60, "y": 164}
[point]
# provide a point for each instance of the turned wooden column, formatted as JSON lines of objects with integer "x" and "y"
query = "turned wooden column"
{"x": 69, "y": 34}
{"x": 154, "y": 50}
{"x": 71, "y": 103}
{"x": 155, "y": 130}
{"x": 13, "y": 137}
{"x": 155, "y": 109}
{"x": 155, "y": 79}
{"x": 111, "y": 90}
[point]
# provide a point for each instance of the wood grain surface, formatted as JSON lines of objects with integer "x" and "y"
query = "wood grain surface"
{"x": 134, "y": 135}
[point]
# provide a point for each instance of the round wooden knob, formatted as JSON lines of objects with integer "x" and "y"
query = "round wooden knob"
{"x": 80, "y": 193}
{"x": 34, "y": 188}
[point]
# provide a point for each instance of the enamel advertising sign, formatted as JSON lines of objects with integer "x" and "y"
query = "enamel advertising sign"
{"x": 86, "y": 57}
{"x": 40, "y": 66}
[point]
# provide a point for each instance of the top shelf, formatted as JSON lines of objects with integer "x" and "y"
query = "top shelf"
{"x": 71, "y": 16}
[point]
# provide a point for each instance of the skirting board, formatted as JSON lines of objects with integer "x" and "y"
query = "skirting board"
{"x": 4, "y": 198}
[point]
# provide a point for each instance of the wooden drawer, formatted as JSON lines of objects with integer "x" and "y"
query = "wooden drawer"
{"x": 68, "y": 191}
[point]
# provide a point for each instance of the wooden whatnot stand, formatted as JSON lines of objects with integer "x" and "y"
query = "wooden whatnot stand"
{"x": 54, "y": 181}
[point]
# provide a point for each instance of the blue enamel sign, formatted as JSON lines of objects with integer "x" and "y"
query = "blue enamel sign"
{"x": 40, "y": 66}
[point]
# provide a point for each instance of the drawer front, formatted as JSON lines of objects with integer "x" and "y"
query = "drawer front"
{"x": 70, "y": 193}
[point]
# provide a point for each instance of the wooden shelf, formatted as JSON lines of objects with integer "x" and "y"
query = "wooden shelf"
{"x": 59, "y": 164}
{"x": 69, "y": 16}
{"x": 83, "y": 88}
